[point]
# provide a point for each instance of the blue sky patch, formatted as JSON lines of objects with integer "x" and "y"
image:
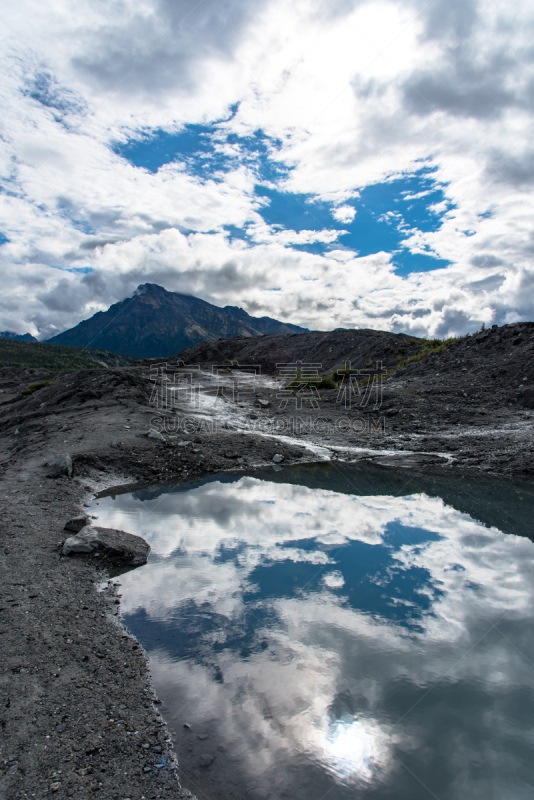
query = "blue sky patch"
{"x": 3, "y": 239}
{"x": 204, "y": 151}
{"x": 386, "y": 213}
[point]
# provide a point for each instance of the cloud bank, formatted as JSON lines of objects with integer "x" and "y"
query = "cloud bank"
{"x": 368, "y": 166}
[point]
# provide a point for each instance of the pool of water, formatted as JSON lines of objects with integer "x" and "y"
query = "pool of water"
{"x": 335, "y": 631}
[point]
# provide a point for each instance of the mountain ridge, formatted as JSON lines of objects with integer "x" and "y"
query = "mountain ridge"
{"x": 156, "y": 323}
{"x": 17, "y": 337}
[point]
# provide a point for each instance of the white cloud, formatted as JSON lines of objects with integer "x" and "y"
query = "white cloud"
{"x": 356, "y": 95}
{"x": 344, "y": 213}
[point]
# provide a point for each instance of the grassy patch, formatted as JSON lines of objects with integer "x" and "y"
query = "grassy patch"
{"x": 431, "y": 346}
{"x": 33, "y": 387}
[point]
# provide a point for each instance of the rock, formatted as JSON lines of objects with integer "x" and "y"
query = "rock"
{"x": 391, "y": 412}
{"x": 263, "y": 403}
{"x": 277, "y": 458}
{"x": 84, "y": 771}
{"x": 62, "y": 465}
{"x": 153, "y": 434}
{"x": 205, "y": 760}
{"x": 231, "y": 455}
{"x": 119, "y": 547}
{"x": 75, "y": 525}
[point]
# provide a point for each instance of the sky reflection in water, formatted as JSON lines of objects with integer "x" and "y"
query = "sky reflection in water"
{"x": 337, "y": 640}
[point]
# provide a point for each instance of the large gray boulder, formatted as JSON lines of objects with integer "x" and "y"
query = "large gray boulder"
{"x": 116, "y": 546}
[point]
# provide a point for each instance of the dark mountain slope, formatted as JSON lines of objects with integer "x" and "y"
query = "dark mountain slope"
{"x": 329, "y": 349}
{"x": 155, "y": 323}
{"x": 17, "y": 337}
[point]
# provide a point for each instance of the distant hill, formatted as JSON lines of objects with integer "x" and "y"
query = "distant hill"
{"x": 324, "y": 350}
{"x": 54, "y": 357}
{"x": 155, "y": 323}
{"x": 18, "y": 337}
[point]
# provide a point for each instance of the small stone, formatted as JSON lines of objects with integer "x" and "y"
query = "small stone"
{"x": 55, "y": 787}
{"x": 187, "y": 725}
{"x": 62, "y": 465}
{"x": 231, "y": 455}
{"x": 263, "y": 403}
{"x": 203, "y": 736}
{"x": 153, "y": 434}
{"x": 76, "y": 524}
{"x": 277, "y": 458}
{"x": 205, "y": 760}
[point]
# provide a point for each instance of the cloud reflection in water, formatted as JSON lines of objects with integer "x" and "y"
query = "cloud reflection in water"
{"x": 327, "y": 638}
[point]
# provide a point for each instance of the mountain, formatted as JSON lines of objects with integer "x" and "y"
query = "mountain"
{"x": 19, "y": 337}
{"x": 263, "y": 324}
{"x": 155, "y": 323}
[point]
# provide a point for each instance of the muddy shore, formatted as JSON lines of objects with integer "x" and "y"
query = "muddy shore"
{"x": 78, "y": 714}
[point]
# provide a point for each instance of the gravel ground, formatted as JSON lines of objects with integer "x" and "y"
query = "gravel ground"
{"x": 78, "y": 713}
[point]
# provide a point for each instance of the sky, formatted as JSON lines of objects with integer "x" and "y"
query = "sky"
{"x": 351, "y": 164}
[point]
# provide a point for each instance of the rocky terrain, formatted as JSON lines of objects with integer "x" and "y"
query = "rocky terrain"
{"x": 77, "y": 712}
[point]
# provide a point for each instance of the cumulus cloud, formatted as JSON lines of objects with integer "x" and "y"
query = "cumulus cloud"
{"x": 352, "y": 97}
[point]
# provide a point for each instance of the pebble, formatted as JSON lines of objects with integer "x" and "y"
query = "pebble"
{"x": 205, "y": 760}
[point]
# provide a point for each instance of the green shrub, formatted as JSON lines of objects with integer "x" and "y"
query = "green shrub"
{"x": 327, "y": 382}
{"x": 33, "y": 387}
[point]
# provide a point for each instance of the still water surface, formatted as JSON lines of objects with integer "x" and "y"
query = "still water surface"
{"x": 334, "y": 631}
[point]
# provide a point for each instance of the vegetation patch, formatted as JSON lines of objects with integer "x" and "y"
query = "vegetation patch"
{"x": 33, "y": 387}
{"x": 57, "y": 357}
{"x": 429, "y": 347}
